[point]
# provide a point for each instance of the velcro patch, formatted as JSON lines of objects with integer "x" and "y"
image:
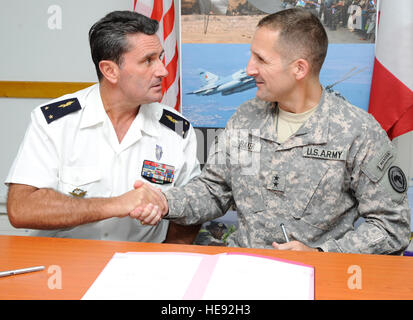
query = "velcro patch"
{"x": 378, "y": 165}
{"x": 324, "y": 153}
{"x": 394, "y": 183}
{"x": 384, "y": 159}
{"x": 276, "y": 182}
{"x": 397, "y": 179}
{"x": 249, "y": 146}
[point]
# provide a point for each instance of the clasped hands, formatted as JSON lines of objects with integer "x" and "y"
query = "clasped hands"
{"x": 153, "y": 205}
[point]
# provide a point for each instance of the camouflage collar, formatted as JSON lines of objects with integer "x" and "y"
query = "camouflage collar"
{"x": 266, "y": 122}
{"x": 314, "y": 130}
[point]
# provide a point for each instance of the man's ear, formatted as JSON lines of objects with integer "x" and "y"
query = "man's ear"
{"x": 301, "y": 68}
{"x": 110, "y": 70}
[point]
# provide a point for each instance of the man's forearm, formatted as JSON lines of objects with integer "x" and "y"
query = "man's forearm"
{"x": 29, "y": 207}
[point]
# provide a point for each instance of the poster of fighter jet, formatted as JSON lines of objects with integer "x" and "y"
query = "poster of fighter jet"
{"x": 215, "y": 83}
{"x": 212, "y": 84}
{"x": 216, "y": 48}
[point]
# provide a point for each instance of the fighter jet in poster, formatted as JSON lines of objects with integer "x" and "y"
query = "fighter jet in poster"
{"x": 213, "y": 84}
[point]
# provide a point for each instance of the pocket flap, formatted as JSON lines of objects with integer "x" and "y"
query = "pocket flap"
{"x": 304, "y": 186}
{"x": 378, "y": 165}
{"x": 80, "y": 175}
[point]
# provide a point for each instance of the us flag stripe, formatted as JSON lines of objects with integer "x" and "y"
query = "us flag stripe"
{"x": 164, "y": 12}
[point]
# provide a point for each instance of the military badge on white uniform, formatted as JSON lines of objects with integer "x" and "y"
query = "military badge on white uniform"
{"x": 56, "y": 110}
{"x": 78, "y": 193}
{"x": 158, "y": 152}
{"x": 158, "y": 173}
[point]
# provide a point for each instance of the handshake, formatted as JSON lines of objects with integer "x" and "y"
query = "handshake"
{"x": 145, "y": 203}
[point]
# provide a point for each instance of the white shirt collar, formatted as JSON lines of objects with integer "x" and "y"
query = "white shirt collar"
{"x": 92, "y": 104}
{"x": 148, "y": 117}
{"x": 94, "y": 112}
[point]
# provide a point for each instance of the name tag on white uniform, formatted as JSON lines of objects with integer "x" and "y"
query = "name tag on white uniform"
{"x": 324, "y": 153}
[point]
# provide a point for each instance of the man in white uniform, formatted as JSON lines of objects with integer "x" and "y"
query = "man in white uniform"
{"x": 79, "y": 170}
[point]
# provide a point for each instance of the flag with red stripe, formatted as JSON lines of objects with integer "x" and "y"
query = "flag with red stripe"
{"x": 391, "y": 95}
{"x": 164, "y": 12}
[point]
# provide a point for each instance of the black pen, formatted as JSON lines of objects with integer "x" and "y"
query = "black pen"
{"x": 284, "y": 232}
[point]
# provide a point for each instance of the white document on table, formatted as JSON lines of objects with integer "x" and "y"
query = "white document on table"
{"x": 176, "y": 276}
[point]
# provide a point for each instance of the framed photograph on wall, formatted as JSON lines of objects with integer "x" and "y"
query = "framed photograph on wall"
{"x": 216, "y": 37}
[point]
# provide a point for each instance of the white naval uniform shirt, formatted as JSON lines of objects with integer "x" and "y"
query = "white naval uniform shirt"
{"x": 81, "y": 150}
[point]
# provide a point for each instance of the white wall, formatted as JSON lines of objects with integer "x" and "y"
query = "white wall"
{"x": 404, "y": 145}
{"x": 43, "y": 40}
{"x": 37, "y": 46}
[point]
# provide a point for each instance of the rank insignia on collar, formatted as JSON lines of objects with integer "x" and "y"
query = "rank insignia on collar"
{"x": 158, "y": 173}
{"x": 175, "y": 122}
{"x": 56, "y": 110}
{"x": 158, "y": 152}
{"x": 78, "y": 193}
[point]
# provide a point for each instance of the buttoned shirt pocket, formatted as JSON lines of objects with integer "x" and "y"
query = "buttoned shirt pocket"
{"x": 82, "y": 182}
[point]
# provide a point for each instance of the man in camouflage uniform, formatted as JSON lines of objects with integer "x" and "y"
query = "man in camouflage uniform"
{"x": 336, "y": 167}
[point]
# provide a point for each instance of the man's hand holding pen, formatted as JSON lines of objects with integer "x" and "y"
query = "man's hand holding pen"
{"x": 291, "y": 245}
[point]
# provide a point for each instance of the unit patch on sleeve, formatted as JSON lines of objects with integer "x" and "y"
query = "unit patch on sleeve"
{"x": 394, "y": 182}
{"x": 59, "y": 109}
{"x": 175, "y": 122}
{"x": 158, "y": 173}
{"x": 397, "y": 179}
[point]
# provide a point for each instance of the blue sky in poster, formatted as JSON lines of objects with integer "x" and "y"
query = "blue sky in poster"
{"x": 225, "y": 59}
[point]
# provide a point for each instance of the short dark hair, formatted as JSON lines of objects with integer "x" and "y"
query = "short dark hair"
{"x": 108, "y": 36}
{"x": 301, "y": 34}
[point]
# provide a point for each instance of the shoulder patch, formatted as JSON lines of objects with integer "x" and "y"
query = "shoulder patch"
{"x": 59, "y": 109}
{"x": 395, "y": 183}
{"x": 175, "y": 122}
{"x": 397, "y": 179}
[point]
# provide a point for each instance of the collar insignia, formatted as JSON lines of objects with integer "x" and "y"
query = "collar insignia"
{"x": 158, "y": 152}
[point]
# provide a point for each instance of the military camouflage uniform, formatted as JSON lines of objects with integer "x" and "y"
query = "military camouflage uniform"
{"x": 337, "y": 167}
